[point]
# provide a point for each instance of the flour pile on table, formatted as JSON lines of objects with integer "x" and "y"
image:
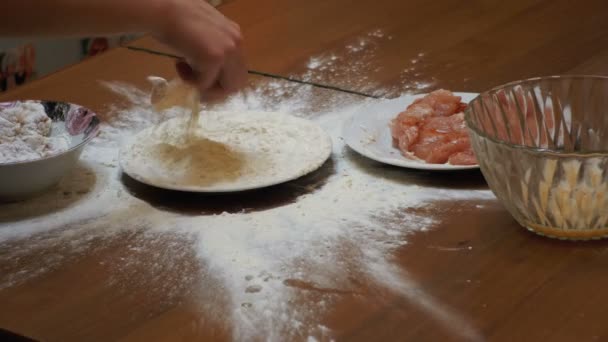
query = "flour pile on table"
{"x": 25, "y": 133}
{"x": 266, "y": 274}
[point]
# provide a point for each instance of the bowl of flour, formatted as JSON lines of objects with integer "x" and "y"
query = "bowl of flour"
{"x": 40, "y": 141}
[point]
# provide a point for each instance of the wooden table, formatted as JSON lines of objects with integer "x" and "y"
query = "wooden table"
{"x": 476, "y": 275}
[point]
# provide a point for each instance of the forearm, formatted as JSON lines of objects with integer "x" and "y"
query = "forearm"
{"x": 210, "y": 43}
{"x": 79, "y": 17}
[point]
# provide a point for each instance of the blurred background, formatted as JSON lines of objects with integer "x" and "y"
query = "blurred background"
{"x": 23, "y": 60}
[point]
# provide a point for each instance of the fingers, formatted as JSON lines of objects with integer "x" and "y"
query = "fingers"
{"x": 225, "y": 71}
{"x": 208, "y": 74}
{"x": 218, "y": 76}
{"x": 234, "y": 73}
{"x": 212, "y": 46}
{"x": 185, "y": 71}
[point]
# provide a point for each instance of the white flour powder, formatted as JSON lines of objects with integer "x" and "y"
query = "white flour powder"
{"x": 230, "y": 151}
{"x": 354, "y": 67}
{"x": 262, "y": 261}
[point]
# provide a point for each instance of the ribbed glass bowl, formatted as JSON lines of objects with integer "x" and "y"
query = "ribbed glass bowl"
{"x": 542, "y": 146}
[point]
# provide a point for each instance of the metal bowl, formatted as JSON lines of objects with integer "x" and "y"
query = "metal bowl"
{"x": 542, "y": 145}
{"x": 25, "y": 179}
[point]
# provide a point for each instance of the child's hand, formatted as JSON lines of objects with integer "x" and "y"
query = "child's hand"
{"x": 211, "y": 44}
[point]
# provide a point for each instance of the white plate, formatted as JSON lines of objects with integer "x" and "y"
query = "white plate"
{"x": 264, "y": 149}
{"x": 368, "y": 133}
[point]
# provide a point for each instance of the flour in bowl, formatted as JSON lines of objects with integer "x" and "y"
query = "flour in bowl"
{"x": 25, "y": 133}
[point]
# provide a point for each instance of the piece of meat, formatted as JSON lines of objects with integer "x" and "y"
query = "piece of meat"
{"x": 439, "y": 149}
{"x": 463, "y": 158}
{"x": 408, "y": 138}
{"x": 440, "y": 137}
{"x": 444, "y": 103}
{"x": 453, "y": 124}
{"x": 432, "y": 128}
{"x": 461, "y": 107}
{"x": 404, "y": 130}
{"x": 418, "y": 110}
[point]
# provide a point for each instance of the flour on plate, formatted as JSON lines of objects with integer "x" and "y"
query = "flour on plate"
{"x": 25, "y": 131}
{"x": 230, "y": 151}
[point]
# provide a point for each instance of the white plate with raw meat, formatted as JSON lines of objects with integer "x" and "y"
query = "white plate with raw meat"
{"x": 424, "y": 132}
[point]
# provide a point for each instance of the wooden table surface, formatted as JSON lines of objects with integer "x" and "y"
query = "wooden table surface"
{"x": 475, "y": 275}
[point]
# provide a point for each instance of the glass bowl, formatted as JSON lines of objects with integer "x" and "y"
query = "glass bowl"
{"x": 542, "y": 146}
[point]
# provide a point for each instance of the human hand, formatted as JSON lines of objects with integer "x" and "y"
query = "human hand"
{"x": 210, "y": 43}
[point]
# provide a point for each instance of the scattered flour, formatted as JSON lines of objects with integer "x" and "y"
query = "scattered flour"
{"x": 263, "y": 261}
{"x": 314, "y": 63}
{"x": 25, "y": 133}
{"x": 354, "y": 67}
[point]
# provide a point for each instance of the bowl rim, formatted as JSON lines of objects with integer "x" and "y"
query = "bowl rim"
{"x": 73, "y": 148}
{"x": 524, "y": 148}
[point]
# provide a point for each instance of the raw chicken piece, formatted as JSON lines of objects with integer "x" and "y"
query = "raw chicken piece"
{"x": 453, "y": 124}
{"x": 440, "y": 148}
{"x": 404, "y": 130}
{"x": 440, "y": 137}
{"x": 408, "y": 137}
{"x": 433, "y": 129}
{"x": 443, "y": 102}
{"x": 463, "y": 158}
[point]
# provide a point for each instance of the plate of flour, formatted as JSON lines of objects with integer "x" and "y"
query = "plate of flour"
{"x": 231, "y": 151}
